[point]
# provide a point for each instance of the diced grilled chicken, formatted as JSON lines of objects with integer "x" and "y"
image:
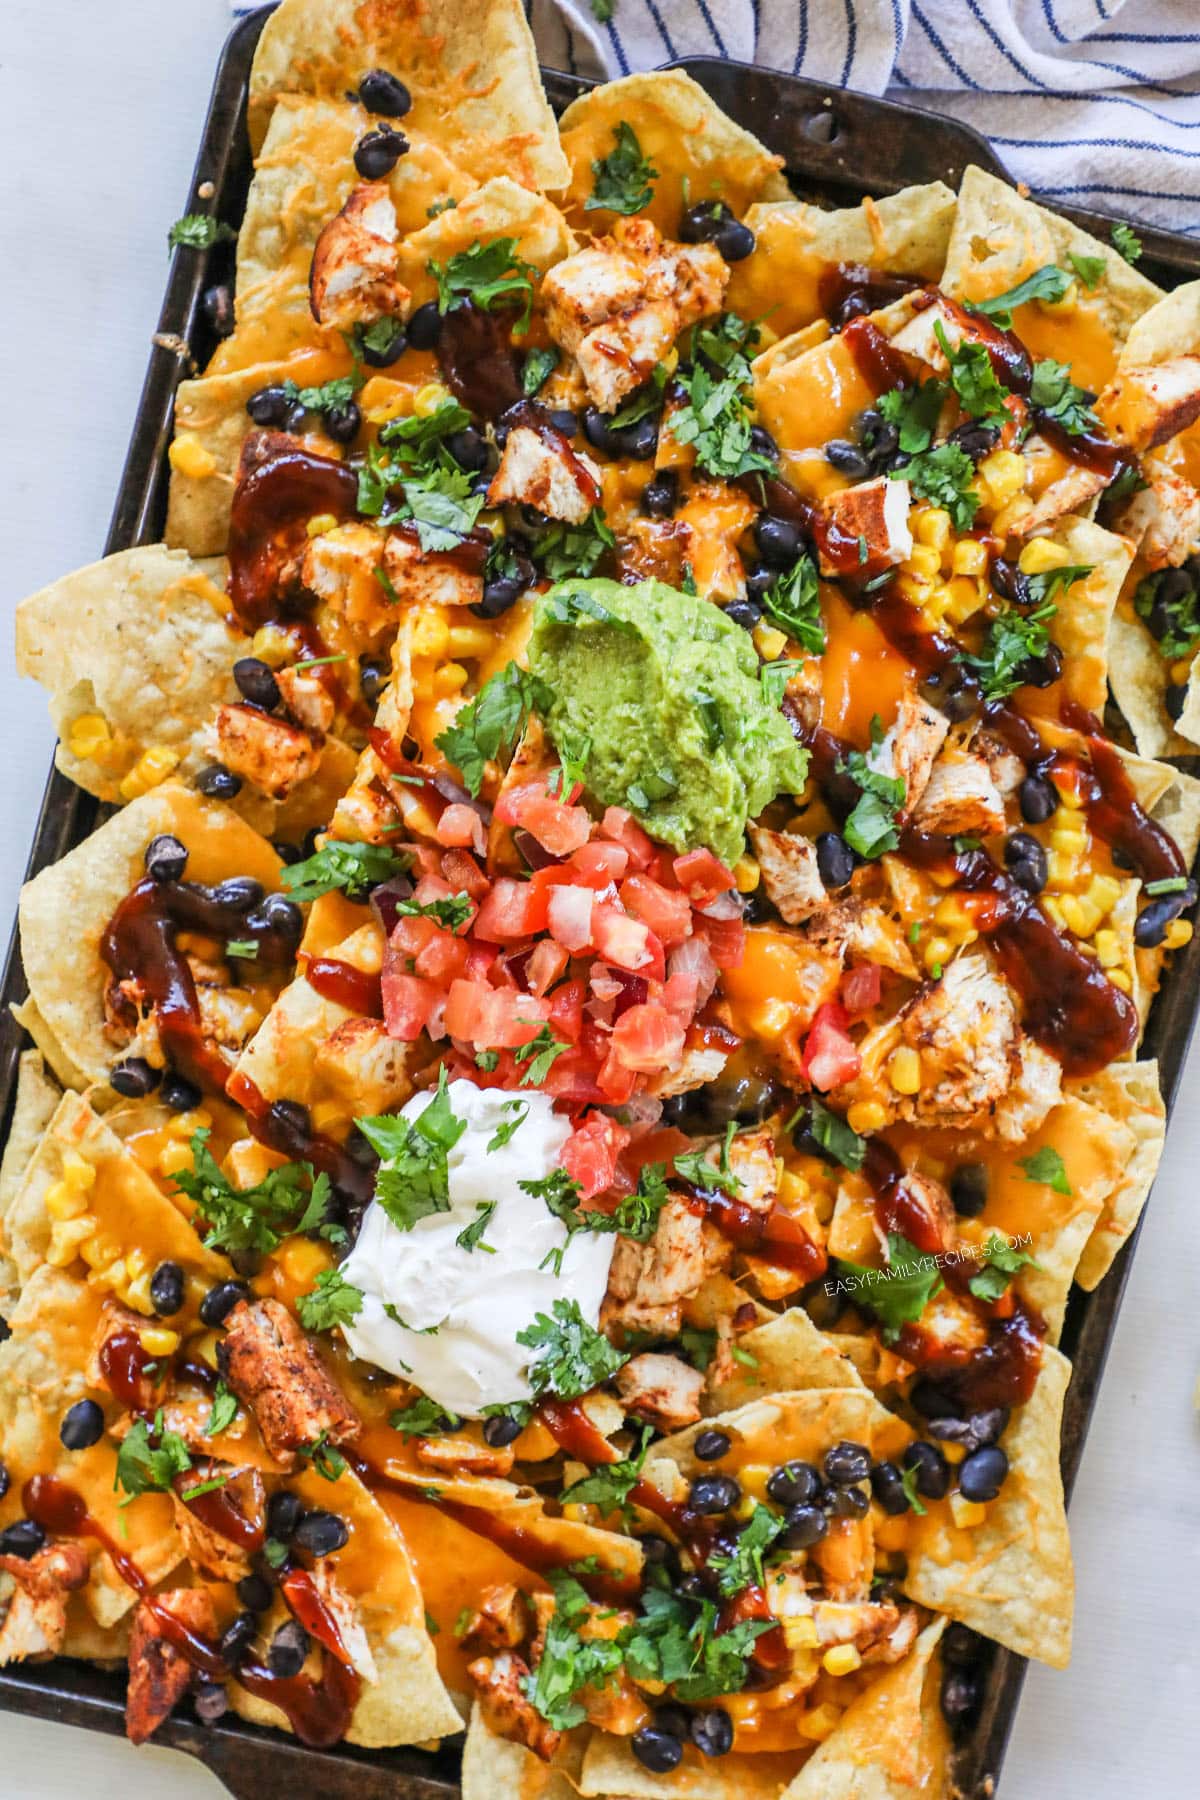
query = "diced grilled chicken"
{"x": 1006, "y": 768}
{"x": 268, "y": 752}
{"x": 338, "y": 566}
{"x": 698, "y": 1068}
{"x": 928, "y": 1200}
{"x": 359, "y": 1061}
{"x": 1146, "y": 406}
{"x": 344, "y": 1612}
{"x": 423, "y": 578}
{"x": 36, "y": 1617}
{"x": 502, "y": 1622}
{"x": 624, "y": 351}
{"x": 876, "y": 514}
{"x": 229, "y": 1016}
{"x": 880, "y": 1631}
{"x": 960, "y": 796}
{"x": 584, "y": 289}
{"x": 965, "y": 1030}
{"x": 919, "y": 337}
{"x": 307, "y": 698}
{"x": 210, "y": 1552}
{"x": 789, "y": 872}
{"x": 910, "y": 747}
{"x": 661, "y": 1389}
{"x": 115, "y": 1320}
{"x": 752, "y": 1161}
{"x": 458, "y": 1453}
{"x": 1069, "y": 494}
{"x": 953, "y": 1324}
{"x": 159, "y": 1674}
{"x": 1163, "y": 518}
{"x": 539, "y": 468}
{"x": 862, "y": 929}
{"x": 353, "y": 276}
{"x": 499, "y": 1683}
{"x": 647, "y": 1283}
{"x": 272, "y": 1366}
{"x": 1034, "y": 1091}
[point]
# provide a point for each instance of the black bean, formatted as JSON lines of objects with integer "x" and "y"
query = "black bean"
{"x": 247, "y": 1263}
{"x": 373, "y": 677}
{"x": 1008, "y": 581}
{"x": 700, "y": 223}
{"x": 638, "y": 441}
{"x": 887, "y": 1485}
{"x": 714, "y": 1494}
{"x": 847, "y": 1463}
{"x": 846, "y": 1502}
{"x": 959, "y": 694}
{"x": 24, "y": 1539}
{"x": 284, "y": 1512}
{"x": 376, "y": 154}
{"x": 1026, "y": 862}
{"x": 846, "y": 457}
{"x": 564, "y": 421}
{"x": 255, "y": 681}
{"x": 220, "y": 1301}
{"x": 499, "y": 594}
{"x": 385, "y": 94}
{"x": 982, "y": 1474}
{"x": 501, "y": 1429}
{"x": 134, "y": 1078}
{"x": 277, "y": 914}
{"x": 962, "y": 1648}
{"x": 233, "y": 1645}
{"x": 656, "y": 1551}
{"x": 657, "y": 1750}
{"x": 295, "y": 419}
{"x": 735, "y": 241}
{"x": 166, "y": 1289}
{"x": 1152, "y": 922}
{"x": 835, "y": 859}
{"x": 746, "y": 613}
{"x": 255, "y": 1593}
{"x": 217, "y": 305}
{"x": 321, "y": 1533}
{"x": 290, "y": 1121}
{"x": 975, "y": 439}
{"x": 425, "y": 326}
{"x": 803, "y": 1527}
{"x": 239, "y": 894}
{"x": 794, "y": 1484}
{"x": 385, "y": 350}
{"x": 1041, "y": 671}
{"x": 933, "y": 1471}
{"x": 468, "y": 447}
{"x": 760, "y": 579}
{"x": 343, "y": 423}
{"x": 218, "y": 783}
{"x": 1175, "y": 699}
{"x": 969, "y": 1189}
{"x": 178, "y": 1093}
{"x": 973, "y": 1433}
{"x": 288, "y": 1649}
{"x": 211, "y": 1702}
{"x": 82, "y": 1425}
{"x": 1038, "y": 799}
{"x": 165, "y": 858}
{"x": 960, "y": 1695}
{"x": 269, "y": 405}
{"x": 711, "y": 1446}
{"x": 712, "y": 1732}
{"x": 762, "y": 443}
{"x": 599, "y": 433}
{"x": 659, "y": 496}
{"x": 778, "y": 540}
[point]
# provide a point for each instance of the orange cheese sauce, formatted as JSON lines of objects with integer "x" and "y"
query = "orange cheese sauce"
{"x": 862, "y": 676}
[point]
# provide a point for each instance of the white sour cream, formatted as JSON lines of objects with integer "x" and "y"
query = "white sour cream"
{"x": 477, "y": 1302}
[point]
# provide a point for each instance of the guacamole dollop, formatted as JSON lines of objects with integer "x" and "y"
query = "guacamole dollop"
{"x": 656, "y": 701}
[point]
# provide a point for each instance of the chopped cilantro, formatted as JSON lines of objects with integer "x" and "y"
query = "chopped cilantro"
{"x": 254, "y": 1218}
{"x": 714, "y": 415}
{"x": 507, "y": 1128}
{"x": 1001, "y": 1262}
{"x": 1046, "y": 1165}
{"x": 538, "y": 367}
{"x": 836, "y": 1137}
{"x": 197, "y": 231}
{"x": 491, "y": 275}
{"x": 333, "y": 1301}
{"x": 487, "y": 1060}
{"x": 355, "y": 868}
{"x": 696, "y": 1167}
{"x": 623, "y": 178}
{"x": 792, "y": 602}
{"x": 1045, "y": 585}
{"x": 973, "y": 378}
{"x": 1012, "y": 640}
{"x": 387, "y": 584}
{"x": 1090, "y": 269}
{"x": 569, "y": 1662}
{"x": 1173, "y": 620}
{"x": 908, "y": 1481}
{"x": 643, "y": 401}
{"x": 450, "y": 911}
{"x": 637, "y": 1213}
{"x": 773, "y": 678}
{"x": 423, "y": 1418}
{"x": 610, "y": 1485}
{"x": 540, "y": 1053}
{"x": 698, "y": 1344}
{"x": 246, "y": 948}
{"x": 1055, "y": 396}
{"x": 944, "y": 476}
{"x": 1172, "y": 884}
{"x": 561, "y": 551}
{"x": 914, "y": 411}
{"x": 440, "y": 206}
{"x": 676, "y": 1641}
{"x": 326, "y": 398}
{"x": 223, "y": 1412}
{"x": 1047, "y": 283}
{"x": 572, "y": 1357}
{"x": 743, "y": 1565}
{"x": 495, "y": 718}
{"x": 1126, "y": 240}
{"x": 871, "y": 828}
{"x": 413, "y": 1178}
{"x": 325, "y": 1458}
{"x": 471, "y": 1236}
{"x": 898, "y": 1294}
{"x": 150, "y": 1458}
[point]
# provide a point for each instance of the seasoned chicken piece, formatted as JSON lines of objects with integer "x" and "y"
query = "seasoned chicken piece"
{"x": 115, "y": 1321}
{"x": 845, "y": 1557}
{"x": 929, "y": 1200}
{"x": 272, "y": 1366}
{"x": 661, "y": 1389}
{"x": 499, "y": 1683}
{"x": 539, "y": 468}
{"x": 918, "y": 336}
{"x": 909, "y": 749}
{"x": 647, "y": 1283}
{"x": 36, "y": 1617}
{"x": 859, "y": 928}
{"x": 353, "y": 276}
{"x": 752, "y": 1161}
{"x": 860, "y": 1623}
{"x": 458, "y": 1453}
{"x": 422, "y": 578}
{"x": 209, "y": 1551}
{"x": 960, "y": 796}
{"x": 697, "y": 1069}
{"x": 359, "y": 1062}
{"x": 268, "y": 752}
{"x": 1069, "y": 494}
{"x": 953, "y": 1324}
{"x": 1163, "y": 518}
{"x": 622, "y": 353}
{"x": 1144, "y": 407}
{"x": 159, "y": 1674}
{"x": 586, "y": 288}
{"x": 965, "y": 1030}
{"x": 789, "y": 872}
{"x": 1034, "y": 1091}
{"x": 1006, "y": 768}
{"x": 876, "y": 514}
{"x": 306, "y": 698}
{"x": 502, "y": 1622}
{"x": 229, "y": 1016}
{"x": 344, "y": 1612}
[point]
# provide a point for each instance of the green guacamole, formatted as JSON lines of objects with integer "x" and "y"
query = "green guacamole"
{"x": 657, "y": 702}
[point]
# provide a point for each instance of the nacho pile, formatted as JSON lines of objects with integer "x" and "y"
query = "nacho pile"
{"x": 572, "y": 1086}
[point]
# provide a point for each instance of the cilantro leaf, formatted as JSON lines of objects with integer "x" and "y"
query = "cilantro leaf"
{"x": 333, "y": 1301}
{"x": 1173, "y": 620}
{"x": 413, "y": 1178}
{"x": 450, "y": 911}
{"x": 836, "y": 1136}
{"x": 1047, "y": 283}
{"x": 224, "y": 1411}
{"x": 508, "y": 1128}
{"x": 561, "y": 550}
{"x": 355, "y": 868}
{"x": 698, "y": 1344}
{"x": 1090, "y": 269}
{"x": 495, "y": 718}
{"x": 792, "y": 602}
{"x": 643, "y": 401}
{"x": 442, "y": 505}
{"x": 1045, "y": 585}
{"x": 602, "y": 10}
{"x": 623, "y": 178}
{"x": 697, "y": 1168}
{"x": 672, "y": 1642}
{"x": 898, "y": 1294}
{"x": 973, "y": 378}
{"x": 541, "y": 1053}
{"x": 1012, "y": 640}
{"x": 1001, "y": 1262}
{"x": 637, "y": 1213}
{"x": 1054, "y": 395}
{"x": 1126, "y": 240}
{"x": 908, "y": 1481}
{"x": 943, "y": 476}
{"x": 198, "y": 231}
{"x": 471, "y": 1236}
{"x": 773, "y": 678}
{"x": 421, "y": 438}
{"x": 423, "y": 1418}
{"x": 1046, "y": 1165}
{"x": 610, "y": 1485}
{"x": 871, "y": 828}
{"x": 326, "y": 398}
{"x": 150, "y": 1458}
{"x": 538, "y": 367}
{"x": 714, "y": 415}
{"x": 325, "y": 1458}
{"x": 743, "y": 1565}
{"x": 573, "y": 1357}
{"x": 569, "y": 1661}
{"x": 914, "y": 411}
{"x": 254, "y": 1218}
{"x": 491, "y": 275}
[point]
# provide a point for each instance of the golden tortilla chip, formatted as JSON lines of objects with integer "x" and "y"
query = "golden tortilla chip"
{"x": 500, "y": 208}
{"x": 36, "y": 1098}
{"x": 1128, "y": 1092}
{"x": 695, "y": 148}
{"x": 785, "y": 1354}
{"x": 1168, "y": 328}
{"x": 472, "y": 72}
{"x": 610, "y": 1768}
{"x": 1139, "y": 676}
{"x": 135, "y": 654}
{"x": 1010, "y": 1577}
{"x": 1084, "y": 610}
{"x": 494, "y": 1768}
{"x": 68, "y": 1073}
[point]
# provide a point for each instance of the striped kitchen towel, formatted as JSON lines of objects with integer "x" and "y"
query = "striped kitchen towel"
{"x": 1092, "y": 102}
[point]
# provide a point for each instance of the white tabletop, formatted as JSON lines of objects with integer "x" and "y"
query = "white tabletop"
{"x": 100, "y": 112}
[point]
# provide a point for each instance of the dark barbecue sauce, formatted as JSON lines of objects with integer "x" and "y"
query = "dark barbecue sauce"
{"x": 478, "y": 360}
{"x": 272, "y": 503}
{"x": 773, "y": 1236}
{"x": 341, "y": 982}
{"x": 848, "y": 289}
{"x": 353, "y": 1181}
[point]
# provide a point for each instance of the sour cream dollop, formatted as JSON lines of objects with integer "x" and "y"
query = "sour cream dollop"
{"x": 477, "y": 1302}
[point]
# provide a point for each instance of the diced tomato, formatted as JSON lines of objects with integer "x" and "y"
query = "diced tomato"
{"x": 493, "y": 1018}
{"x": 409, "y": 937}
{"x": 627, "y": 942}
{"x": 462, "y": 827}
{"x": 514, "y": 909}
{"x": 558, "y": 828}
{"x": 620, "y": 827}
{"x": 726, "y": 940}
{"x": 702, "y": 876}
{"x": 693, "y": 957}
{"x": 590, "y": 1153}
{"x": 464, "y": 875}
{"x": 668, "y": 914}
{"x": 546, "y": 963}
{"x": 443, "y": 957}
{"x": 615, "y": 1081}
{"x": 408, "y": 1002}
{"x": 681, "y": 996}
{"x": 599, "y": 863}
{"x": 569, "y": 916}
{"x": 566, "y": 1011}
{"x": 648, "y": 1038}
{"x": 480, "y": 958}
{"x": 861, "y": 988}
{"x": 830, "y": 1057}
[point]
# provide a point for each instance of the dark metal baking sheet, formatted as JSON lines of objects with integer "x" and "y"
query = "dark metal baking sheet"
{"x": 837, "y": 146}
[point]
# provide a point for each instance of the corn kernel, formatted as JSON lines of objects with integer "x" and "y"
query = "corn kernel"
{"x": 65, "y": 1202}
{"x": 746, "y": 874}
{"x": 301, "y": 1260}
{"x": 910, "y": 588}
{"x": 1070, "y": 831}
{"x": 937, "y": 953}
{"x": 866, "y": 1116}
{"x": 89, "y": 736}
{"x": 1041, "y": 554}
{"x": 66, "y": 1236}
{"x": 1066, "y": 302}
{"x": 137, "y": 1294}
{"x": 150, "y": 768}
{"x": 1053, "y": 908}
{"x": 841, "y": 1659}
{"x": 964, "y": 597}
{"x": 1002, "y": 476}
{"x": 923, "y": 559}
{"x": 185, "y": 1125}
{"x": 1178, "y": 933}
{"x": 904, "y": 1070}
{"x": 952, "y": 915}
{"x": 383, "y": 400}
{"x": 1009, "y": 516}
{"x": 969, "y": 557}
{"x": 792, "y": 1188}
{"x": 769, "y": 642}
{"x": 1120, "y": 978}
{"x": 320, "y": 523}
{"x": 771, "y": 1018}
{"x": 966, "y": 1513}
{"x": 109, "y": 1277}
{"x": 800, "y": 1634}
{"x": 172, "y": 1158}
{"x": 1104, "y": 891}
{"x": 271, "y": 645}
{"x": 819, "y": 1722}
{"x": 1061, "y": 869}
{"x": 101, "y": 1251}
{"x": 158, "y": 1340}
{"x": 449, "y": 679}
{"x": 188, "y": 456}
{"x": 429, "y": 398}
{"x": 932, "y": 526}
{"x": 953, "y": 1453}
{"x": 470, "y": 640}
{"x": 430, "y": 635}
{"x": 1108, "y": 949}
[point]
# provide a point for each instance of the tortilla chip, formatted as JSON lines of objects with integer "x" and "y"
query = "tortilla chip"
{"x": 1011, "y": 1577}
{"x": 472, "y": 72}
{"x": 36, "y": 1098}
{"x": 1128, "y": 1092}
{"x": 1084, "y": 610}
{"x": 1168, "y": 328}
{"x": 901, "y": 234}
{"x": 494, "y": 1768}
{"x": 1139, "y": 675}
{"x": 500, "y": 208}
{"x": 610, "y": 1768}
{"x": 890, "y": 1743}
{"x": 28, "y": 1017}
{"x": 64, "y": 911}
{"x": 786, "y": 1354}
{"x": 780, "y": 1427}
{"x": 139, "y": 641}
{"x": 695, "y": 148}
